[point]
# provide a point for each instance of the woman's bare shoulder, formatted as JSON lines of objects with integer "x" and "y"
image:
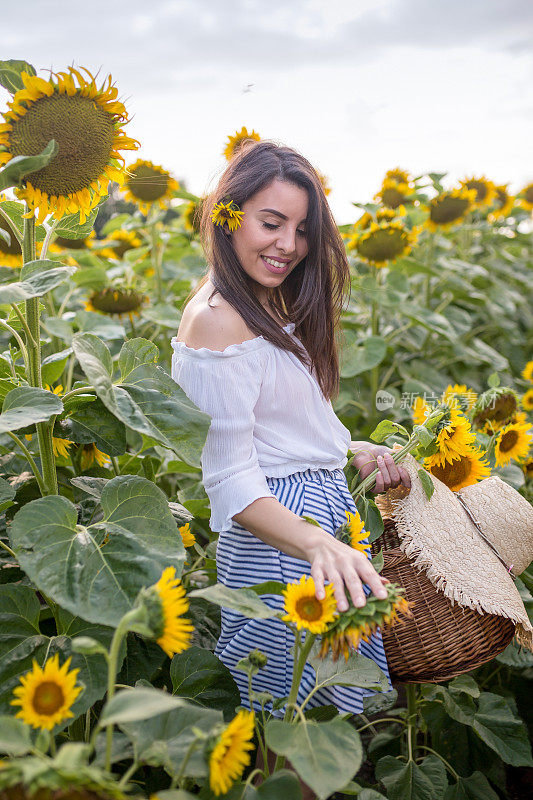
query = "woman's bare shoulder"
{"x": 214, "y": 325}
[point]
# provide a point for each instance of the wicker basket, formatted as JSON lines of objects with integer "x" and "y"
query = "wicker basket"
{"x": 440, "y": 640}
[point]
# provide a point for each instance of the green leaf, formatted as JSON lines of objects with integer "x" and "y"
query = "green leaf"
{"x": 475, "y": 787}
{"x": 378, "y": 561}
{"x": 20, "y": 166}
{"x": 96, "y": 572}
{"x": 466, "y": 684}
{"x": 10, "y": 74}
{"x": 164, "y": 314}
{"x": 325, "y": 755}
{"x": 15, "y": 211}
{"x": 93, "y": 486}
{"x": 94, "y": 423}
{"x": 404, "y": 781}
{"x": 27, "y": 405}
{"x": 502, "y": 731}
{"x": 384, "y": 429}
{"x": 21, "y": 642}
{"x": 245, "y": 601}
{"x": 36, "y": 284}
{"x": 358, "y": 358}
{"x": 132, "y": 705}
{"x": 69, "y": 226}
{"x": 357, "y": 670}
{"x": 149, "y": 402}
{"x": 199, "y": 675}
{"x": 15, "y": 739}
{"x": 379, "y": 702}
{"x": 427, "y": 484}
{"x": 53, "y": 365}
{"x": 434, "y": 769}
{"x": 164, "y": 740}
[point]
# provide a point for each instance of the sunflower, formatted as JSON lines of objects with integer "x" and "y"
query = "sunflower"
{"x": 454, "y": 438}
{"x": 384, "y": 242}
{"x": 231, "y": 752}
{"x": 360, "y": 623}
{"x": 503, "y": 203}
{"x": 526, "y": 197}
{"x": 119, "y": 242}
{"x": 357, "y": 533}
{"x": 527, "y": 400}
{"x": 449, "y": 208}
{"x": 234, "y": 142}
{"x": 393, "y": 194}
{"x": 420, "y": 410}
{"x": 398, "y": 175}
{"x": 174, "y": 631}
{"x": 187, "y": 537}
{"x": 227, "y": 212}
{"x": 148, "y": 183}
{"x": 89, "y": 454}
{"x": 512, "y": 443}
{"x": 115, "y": 301}
{"x": 464, "y": 471}
{"x": 527, "y": 372}
{"x": 324, "y": 181}
{"x": 305, "y": 610}
{"x": 485, "y": 190}
{"x": 463, "y": 397}
{"x": 527, "y": 468}
{"x": 87, "y": 124}
{"x": 192, "y": 214}
{"x": 47, "y": 695}
{"x": 496, "y": 406}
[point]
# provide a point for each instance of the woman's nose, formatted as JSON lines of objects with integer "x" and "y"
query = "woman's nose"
{"x": 287, "y": 240}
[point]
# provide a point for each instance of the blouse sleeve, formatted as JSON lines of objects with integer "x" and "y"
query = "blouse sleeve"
{"x": 225, "y": 384}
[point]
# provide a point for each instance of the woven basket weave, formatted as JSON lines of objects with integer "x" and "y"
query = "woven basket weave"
{"x": 440, "y": 640}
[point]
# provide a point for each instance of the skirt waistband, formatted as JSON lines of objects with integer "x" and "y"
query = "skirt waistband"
{"x": 320, "y": 475}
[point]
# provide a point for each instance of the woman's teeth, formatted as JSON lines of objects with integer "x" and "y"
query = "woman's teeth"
{"x": 276, "y": 264}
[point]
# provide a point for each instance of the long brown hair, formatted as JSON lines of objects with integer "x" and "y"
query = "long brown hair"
{"x": 311, "y": 296}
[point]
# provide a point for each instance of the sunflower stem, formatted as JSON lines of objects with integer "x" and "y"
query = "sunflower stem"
{"x": 31, "y": 461}
{"x": 24, "y": 324}
{"x": 47, "y": 238}
{"x": 20, "y": 343}
{"x": 155, "y": 252}
{"x": 33, "y": 344}
{"x": 411, "y": 720}
{"x": 112, "y": 665}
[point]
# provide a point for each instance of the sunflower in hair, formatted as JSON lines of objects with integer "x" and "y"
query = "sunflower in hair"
{"x": 86, "y": 121}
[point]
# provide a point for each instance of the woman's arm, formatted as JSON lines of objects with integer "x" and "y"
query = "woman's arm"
{"x": 330, "y": 559}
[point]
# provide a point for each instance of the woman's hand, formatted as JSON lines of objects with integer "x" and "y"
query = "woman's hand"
{"x": 333, "y": 561}
{"x": 369, "y": 457}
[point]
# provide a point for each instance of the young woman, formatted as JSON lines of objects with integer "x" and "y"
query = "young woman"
{"x": 257, "y": 350}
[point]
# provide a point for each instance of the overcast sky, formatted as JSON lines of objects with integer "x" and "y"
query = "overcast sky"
{"x": 357, "y": 86}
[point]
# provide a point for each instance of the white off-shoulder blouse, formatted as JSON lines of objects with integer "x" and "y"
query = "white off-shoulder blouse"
{"x": 269, "y": 418}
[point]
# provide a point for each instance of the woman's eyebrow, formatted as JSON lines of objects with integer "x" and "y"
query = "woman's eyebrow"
{"x": 279, "y": 214}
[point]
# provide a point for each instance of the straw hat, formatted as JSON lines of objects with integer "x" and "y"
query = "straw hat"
{"x": 469, "y": 543}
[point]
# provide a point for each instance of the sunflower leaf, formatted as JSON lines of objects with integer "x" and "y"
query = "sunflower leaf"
{"x": 20, "y": 166}
{"x": 27, "y": 405}
{"x": 427, "y": 484}
{"x": 10, "y": 74}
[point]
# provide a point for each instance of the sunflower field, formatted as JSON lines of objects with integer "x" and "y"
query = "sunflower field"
{"x": 109, "y": 600}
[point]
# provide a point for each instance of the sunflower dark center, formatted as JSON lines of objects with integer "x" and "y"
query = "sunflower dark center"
{"x": 147, "y": 184}
{"x": 309, "y": 608}
{"x": 508, "y": 441}
{"x": 383, "y": 244}
{"x": 453, "y": 473}
{"x": 116, "y": 301}
{"x": 12, "y": 249}
{"x": 448, "y": 209}
{"x": 71, "y": 244}
{"x": 121, "y": 246}
{"x": 480, "y": 188}
{"x": 84, "y": 132}
{"x": 48, "y": 698}
{"x": 501, "y": 197}
{"x": 392, "y": 197}
{"x": 529, "y": 194}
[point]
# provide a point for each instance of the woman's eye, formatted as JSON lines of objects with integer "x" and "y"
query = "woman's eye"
{"x": 275, "y": 227}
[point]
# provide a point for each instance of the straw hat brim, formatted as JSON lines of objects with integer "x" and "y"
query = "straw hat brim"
{"x": 439, "y": 537}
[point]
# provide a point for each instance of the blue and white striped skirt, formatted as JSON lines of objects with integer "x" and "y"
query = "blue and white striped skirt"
{"x": 244, "y": 560}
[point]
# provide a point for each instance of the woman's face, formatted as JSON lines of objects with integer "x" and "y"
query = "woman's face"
{"x": 272, "y": 239}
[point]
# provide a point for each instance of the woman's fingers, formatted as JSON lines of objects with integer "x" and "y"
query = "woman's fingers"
{"x": 355, "y": 587}
{"x": 393, "y": 470}
{"x": 406, "y": 480}
{"x": 318, "y": 577}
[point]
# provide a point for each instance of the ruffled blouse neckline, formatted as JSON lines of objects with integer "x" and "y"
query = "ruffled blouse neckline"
{"x": 231, "y": 350}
